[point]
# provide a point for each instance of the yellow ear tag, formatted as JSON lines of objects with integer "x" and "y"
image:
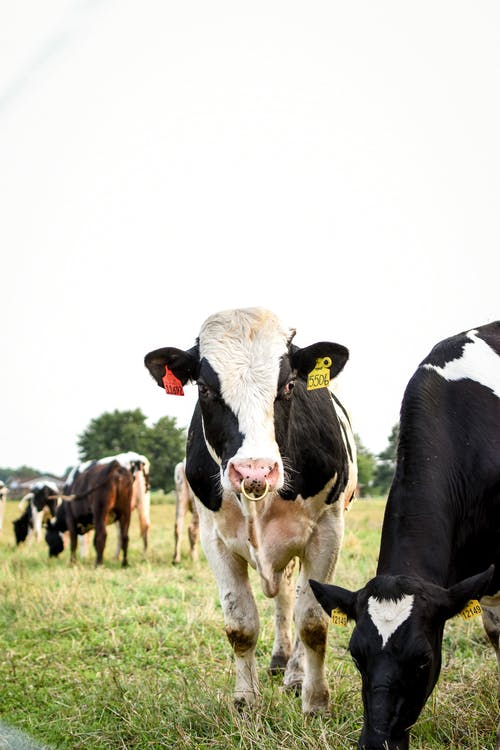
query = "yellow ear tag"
{"x": 320, "y": 376}
{"x": 471, "y": 609}
{"x": 338, "y": 617}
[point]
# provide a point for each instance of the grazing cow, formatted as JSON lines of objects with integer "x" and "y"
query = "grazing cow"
{"x": 3, "y": 499}
{"x": 97, "y": 493}
{"x": 38, "y": 504}
{"x": 440, "y": 540}
{"x": 184, "y": 504}
{"x": 272, "y": 465}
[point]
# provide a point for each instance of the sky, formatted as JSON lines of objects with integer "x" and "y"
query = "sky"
{"x": 337, "y": 163}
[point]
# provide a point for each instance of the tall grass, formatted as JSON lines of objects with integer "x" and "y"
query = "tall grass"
{"x": 137, "y": 658}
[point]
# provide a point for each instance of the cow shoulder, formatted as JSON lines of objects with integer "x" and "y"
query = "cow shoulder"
{"x": 202, "y": 472}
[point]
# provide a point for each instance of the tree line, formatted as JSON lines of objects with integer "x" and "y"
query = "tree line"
{"x": 163, "y": 443}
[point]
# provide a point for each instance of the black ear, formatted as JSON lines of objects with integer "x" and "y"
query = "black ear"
{"x": 184, "y": 364}
{"x": 470, "y": 588}
{"x": 304, "y": 360}
{"x": 330, "y": 597}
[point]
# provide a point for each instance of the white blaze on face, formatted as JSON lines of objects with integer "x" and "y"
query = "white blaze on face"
{"x": 245, "y": 347}
{"x": 387, "y": 615}
{"x": 477, "y": 362}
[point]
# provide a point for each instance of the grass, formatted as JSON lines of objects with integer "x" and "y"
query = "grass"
{"x": 137, "y": 659}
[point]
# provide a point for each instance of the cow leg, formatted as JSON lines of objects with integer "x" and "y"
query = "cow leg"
{"x": 179, "y": 525}
{"x": 241, "y": 618}
{"x": 124, "y": 526}
{"x": 144, "y": 519}
{"x": 283, "y": 620}
{"x": 194, "y": 534}
{"x": 100, "y": 535}
{"x": 491, "y": 622}
{"x": 311, "y": 622}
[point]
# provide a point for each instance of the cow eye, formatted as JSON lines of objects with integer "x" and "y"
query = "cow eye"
{"x": 287, "y": 389}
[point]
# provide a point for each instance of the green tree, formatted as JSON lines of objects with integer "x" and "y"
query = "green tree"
{"x": 366, "y": 467}
{"x": 122, "y": 431}
{"x": 165, "y": 447}
{"x": 386, "y": 463}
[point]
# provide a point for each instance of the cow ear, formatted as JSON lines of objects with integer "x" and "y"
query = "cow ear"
{"x": 333, "y": 597}
{"x": 470, "y": 588}
{"x": 184, "y": 364}
{"x": 304, "y": 360}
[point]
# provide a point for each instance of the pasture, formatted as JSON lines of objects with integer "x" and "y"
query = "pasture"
{"x": 136, "y": 658}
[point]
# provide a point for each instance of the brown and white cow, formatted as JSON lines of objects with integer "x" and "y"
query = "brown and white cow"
{"x": 184, "y": 504}
{"x": 271, "y": 459}
{"x": 3, "y": 501}
{"x": 100, "y": 493}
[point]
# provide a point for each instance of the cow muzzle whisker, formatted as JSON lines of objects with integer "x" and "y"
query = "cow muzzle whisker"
{"x": 252, "y": 495}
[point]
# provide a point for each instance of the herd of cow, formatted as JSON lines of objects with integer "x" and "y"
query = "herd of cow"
{"x": 270, "y": 470}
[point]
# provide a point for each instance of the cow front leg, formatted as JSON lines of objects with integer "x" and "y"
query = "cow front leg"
{"x": 283, "y": 620}
{"x": 241, "y": 618}
{"x": 491, "y": 622}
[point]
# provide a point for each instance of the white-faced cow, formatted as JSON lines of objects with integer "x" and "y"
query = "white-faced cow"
{"x": 184, "y": 504}
{"x": 39, "y": 504}
{"x": 273, "y": 467}
{"x": 440, "y": 539}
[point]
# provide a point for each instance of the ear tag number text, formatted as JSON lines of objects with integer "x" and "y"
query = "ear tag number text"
{"x": 172, "y": 384}
{"x": 471, "y": 609}
{"x": 339, "y": 618}
{"x": 320, "y": 376}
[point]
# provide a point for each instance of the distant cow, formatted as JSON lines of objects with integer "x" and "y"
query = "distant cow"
{"x": 139, "y": 467}
{"x": 272, "y": 463}
{"x": 100, "y": 492}
{"x": 3, "y": 500}
{"x": 184, "y": 504}
{"x": 440, "y": 539}
{"x": 39, "y": 503}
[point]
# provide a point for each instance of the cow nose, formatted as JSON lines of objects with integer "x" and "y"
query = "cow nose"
{"x": 254, "y": 477}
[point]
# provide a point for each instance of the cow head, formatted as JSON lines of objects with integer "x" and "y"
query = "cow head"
{"x": 245, "y": 367}
{"x": 396, "y": 646}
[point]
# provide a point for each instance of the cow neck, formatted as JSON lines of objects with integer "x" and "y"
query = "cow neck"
{"x": 416, "y": 541}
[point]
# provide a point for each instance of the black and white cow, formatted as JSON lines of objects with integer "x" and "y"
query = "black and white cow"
{"x": 38, "y": 504}
{"x": 440, "y": 539}
{"x": 273, "y": 467}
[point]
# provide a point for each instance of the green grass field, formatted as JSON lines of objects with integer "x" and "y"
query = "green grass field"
{"x": 137, "y": 658}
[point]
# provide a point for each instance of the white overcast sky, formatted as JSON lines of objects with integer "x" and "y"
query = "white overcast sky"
{"x": 337, "y": 162}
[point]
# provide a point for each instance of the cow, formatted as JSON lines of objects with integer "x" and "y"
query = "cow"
{"x": 40, "y": 503}
{"x": 96, "y": 493}
{"x": 184, "y": 504}
{"x": 272, "y": 465}
{"x": 3, "y": 500}
{"x": 139, "y": 467}
{"x": 440, "y": 539}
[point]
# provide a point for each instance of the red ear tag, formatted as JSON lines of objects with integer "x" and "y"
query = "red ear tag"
{"x": 172, "y": 385}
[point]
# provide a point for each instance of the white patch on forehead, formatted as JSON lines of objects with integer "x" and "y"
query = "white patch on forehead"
{"x": 387, "y": 615}
{"x": 244, "y": 347}
{"x": 477, "y": 362}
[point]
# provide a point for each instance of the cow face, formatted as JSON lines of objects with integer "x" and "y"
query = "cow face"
{"x": 396, "y": 646}
{"x": 243, "y": 363}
